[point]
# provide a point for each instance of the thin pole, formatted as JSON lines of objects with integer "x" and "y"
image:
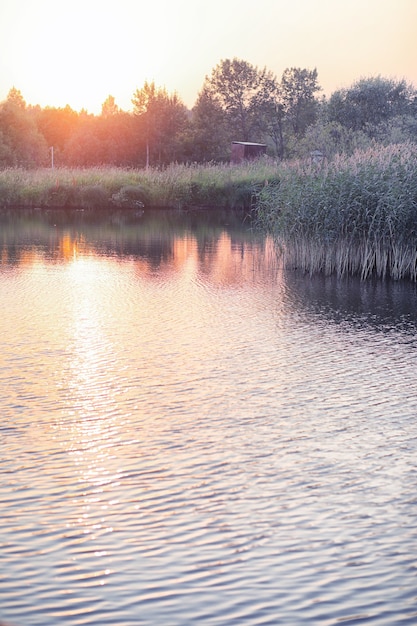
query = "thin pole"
{"x": 52, "y": 156}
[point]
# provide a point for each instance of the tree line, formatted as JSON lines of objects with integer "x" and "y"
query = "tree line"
{"x": 237, "y": 102}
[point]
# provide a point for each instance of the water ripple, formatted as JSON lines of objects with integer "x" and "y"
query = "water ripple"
{"x": 191, "y": 447}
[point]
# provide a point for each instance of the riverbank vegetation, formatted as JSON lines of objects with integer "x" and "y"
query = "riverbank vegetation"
{"x": 176, "y": 186}
{"x": 352, "y": 215}
{"x": 337, "y": 187}
{"x": 347, "y": 215}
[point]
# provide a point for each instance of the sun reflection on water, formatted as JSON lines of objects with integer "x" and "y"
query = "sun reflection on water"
{"x": 90, "y": 427}
{"x": 129, "y": 376}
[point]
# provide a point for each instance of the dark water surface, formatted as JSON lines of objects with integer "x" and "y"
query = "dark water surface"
{"x": 190, "y": 436}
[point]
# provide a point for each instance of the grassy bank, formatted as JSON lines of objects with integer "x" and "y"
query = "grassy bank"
{"x": 177, "y": 186}
{"x": 351, "y": 216}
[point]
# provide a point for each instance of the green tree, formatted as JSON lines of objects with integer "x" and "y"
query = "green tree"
{"x": 84, "y": 147}
{"x": 370, "y": 102}
{"x": 118, "y": 138}
{"x": 297, "y": 95}
{"x": 109, "y": 107}
{"x": 236, "y": 87}
{"x": 57, "y": 125}
{"x": 398, "y": 129}
{"x": 270, "y": 114}
{"x": 211, "y": 136}
{"x": 116, "y": 131}
{"x": 21, "y": 142}
{"x": 108, "y": 139}
{"x": 331, "y": 138}
{"x": 251, "y": 105}
{"x": 161, "y": 118}
{"x": 286, "y": 109}
{"x": 15, "y": 99}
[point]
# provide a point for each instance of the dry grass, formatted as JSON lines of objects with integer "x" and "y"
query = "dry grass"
{"x": 175, "y": 186}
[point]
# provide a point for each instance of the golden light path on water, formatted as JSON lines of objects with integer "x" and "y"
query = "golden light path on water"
{"x": 97, "y": 378}
{"x": 93, "y": 425}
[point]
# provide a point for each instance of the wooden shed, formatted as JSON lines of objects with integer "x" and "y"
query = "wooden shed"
{"x": 245, "y": 150}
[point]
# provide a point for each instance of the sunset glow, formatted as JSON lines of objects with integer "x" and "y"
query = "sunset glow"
{"x": 79, "y": 53}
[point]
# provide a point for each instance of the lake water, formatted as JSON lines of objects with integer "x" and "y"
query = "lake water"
{"x": 190, "y": 435}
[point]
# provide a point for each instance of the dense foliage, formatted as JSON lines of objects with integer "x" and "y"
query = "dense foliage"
{"x": 351, "y": 215}
{"x": 237, "y": 102}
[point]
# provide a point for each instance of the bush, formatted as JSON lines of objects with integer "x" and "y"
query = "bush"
{"x": 94, "y": 197}
{"x": 130, "y": 197}
{"x": 62, "y": 196}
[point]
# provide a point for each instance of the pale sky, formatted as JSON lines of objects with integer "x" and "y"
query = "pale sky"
{"x": 78, "y": 52}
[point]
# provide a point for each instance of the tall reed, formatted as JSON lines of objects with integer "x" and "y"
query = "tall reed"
{"x": 352, "y": 215}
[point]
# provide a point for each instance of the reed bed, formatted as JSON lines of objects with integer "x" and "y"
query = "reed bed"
{"x": 176, "y": 186}
{"x": 351, "y": 216}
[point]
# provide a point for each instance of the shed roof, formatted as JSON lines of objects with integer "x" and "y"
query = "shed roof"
{"x": 249, "y": 143}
